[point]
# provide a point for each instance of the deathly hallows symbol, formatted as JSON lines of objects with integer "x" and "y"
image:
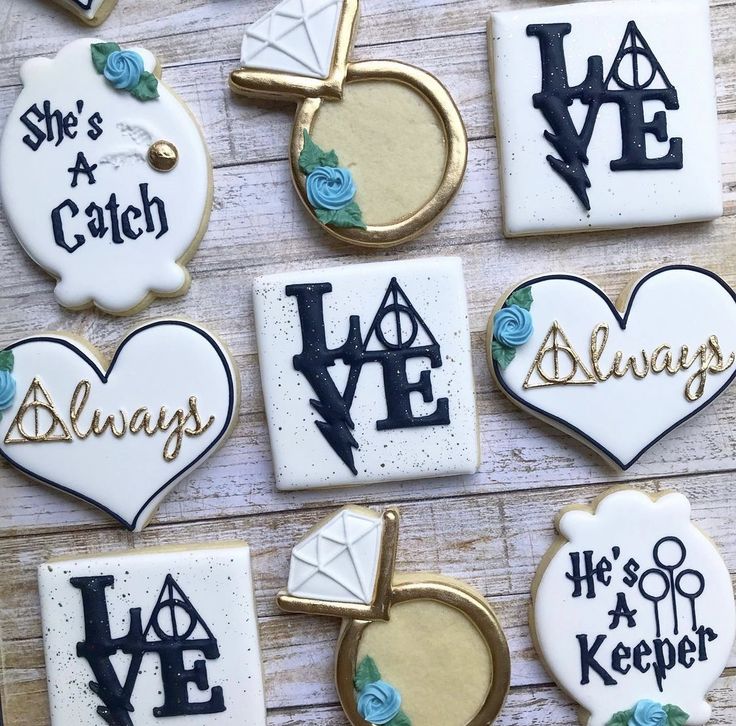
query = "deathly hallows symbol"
{"x": 635, "y": 77}
{"x": 163, "y": 636}
{"x": 45, "y": 423}
{"x": 391, "y": 351}
{"x": 557, "y": 363}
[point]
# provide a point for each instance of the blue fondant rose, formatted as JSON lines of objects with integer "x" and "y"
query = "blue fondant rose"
{"x": 512, "y": 326}
{"x": 124, "y": 69}
{"x": 330, "y": 187}
{"x": 379, "y": 702}
{"x": 648, "y": 713}
{"x": 7, "y": 390}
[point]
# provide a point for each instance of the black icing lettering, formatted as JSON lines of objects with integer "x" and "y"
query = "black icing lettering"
{"x": 112, "y": 208}
{"x": 70, "y": 121}
{"x": 622, "y": 610}
{"x": 58, "y": 226}
{"x": 641, "y": 651}
{"x": 621, "y": 654}
{"x": 388, "y": 343}
{"x": 635, "y": 129}
{"x": 161, "y": 210}
{"x": 126, "y": 225}
{"x": 96, "y": 225}
{"x": 556, "y": 97}
{"x": 95, "y": 126}
{"x": 82, "y": 166}
{"x": 588, "y": 661}
{"x": 398, "y": 390}
{"x": 665, "y": 658}
{"x": 38, "y": 137}
{"x": 166, "y": 642}
{"x": 631, "y": 568}
{"x": 705, "y": 636}
{"x": 592, "y": 573}
{"x": 684, "y": 649}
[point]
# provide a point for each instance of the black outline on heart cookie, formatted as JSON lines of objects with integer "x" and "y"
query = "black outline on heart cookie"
{"x": 622, "y": 320}
{"x": 104, "y": 375}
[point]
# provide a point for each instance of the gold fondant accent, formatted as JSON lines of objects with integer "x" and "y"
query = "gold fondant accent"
{"x": 163, "y": 155}
{"x": 390, "y": 590}
{"x": 34, "y": 402}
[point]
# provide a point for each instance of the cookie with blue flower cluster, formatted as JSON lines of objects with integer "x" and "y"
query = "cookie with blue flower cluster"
{"x": 414, "y": 649}
{"x": 633, "y": 611}
{"x": 105, "y": 176}
{"x": 378, "y": 149}
{"x": 616, "y": 376}
{"x": 91, "y": 12}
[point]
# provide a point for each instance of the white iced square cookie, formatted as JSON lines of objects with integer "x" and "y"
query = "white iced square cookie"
{"x": 605, "y": 115}
{"x": 142, "y": 638}
{"x": 91, "y": 12}
{"x": 366, "y": 373}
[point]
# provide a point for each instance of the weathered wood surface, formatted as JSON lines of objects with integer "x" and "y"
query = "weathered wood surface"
{"x": 489, "y": 529}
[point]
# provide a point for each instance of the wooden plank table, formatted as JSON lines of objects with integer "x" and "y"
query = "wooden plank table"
{"x": 489, "y": 529}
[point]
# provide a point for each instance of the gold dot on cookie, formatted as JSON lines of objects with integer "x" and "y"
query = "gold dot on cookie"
{"x": 163, "y": 155}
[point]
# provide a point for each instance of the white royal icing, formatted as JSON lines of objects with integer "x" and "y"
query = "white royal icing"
{"x": 160, "y": 364}
{"x": 86, "y": 9}
{"x": 115, "y": 273}
{"x": 207, "y": 589}
{"x": 621, "y": 417}
{"x": 673, "y": 46}
{"x": 339, "y": 562}
{"x": 572, "y": 617}
{"x": 297, "y": 36}
{"x": 349, "y": 435}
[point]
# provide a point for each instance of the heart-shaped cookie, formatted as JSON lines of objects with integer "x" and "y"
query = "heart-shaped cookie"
{"x": 119, "y": 436}
{"x": 618, "y": 379}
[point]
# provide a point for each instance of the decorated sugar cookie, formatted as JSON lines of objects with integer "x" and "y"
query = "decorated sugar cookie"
{"x": 606, "y": 115}
{"x": 153, "y": 636}
{"x": 633, "y": 611}
{"x": 118, "y": 434}
{"x": 618, "y": 378}
{"x": 414, "y": 650}
{"x": 367, "y": 373}
{"x": 105, "y": 177}
{"x": 91, "y": 12}
{"x": 378, "y": 148}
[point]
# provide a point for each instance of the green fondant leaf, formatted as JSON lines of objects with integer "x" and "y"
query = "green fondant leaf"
{"x": 313, "y": 156}
{"x": 502, "y": 354}
{"x": 400, "y": 719}
{"x": 100, "y": 51}
{"x": 147, "y": 88}
{"x": 7, "y": 360}
{"x": 522, "y": 297}
{"x": 366, "y": 673}
{"x": 675, "y": 715}
{"x": 349, "y": 216}
{"x": 621, "y": 718}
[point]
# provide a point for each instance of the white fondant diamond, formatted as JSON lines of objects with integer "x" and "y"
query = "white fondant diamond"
{"x": 338, "y": 562}
{"x": 297, "y": 36}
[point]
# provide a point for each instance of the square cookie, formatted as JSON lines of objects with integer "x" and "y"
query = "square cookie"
{"x": 605, "y": 115}
{"x": 366, "y": 373}
{"x": 140, "y": 638}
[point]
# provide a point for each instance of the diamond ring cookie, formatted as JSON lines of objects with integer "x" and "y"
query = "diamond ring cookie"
{"x": 117, "y": 434}
{"x": 617, "y": 377}
{"x": 105, "y": 177}
{"x": 606, "y": 115}
{"x": 367, "y": 373}
{"x": 633, "y": 611}
{"x": 91, "y": 12}
{"x": 378, "y": 148}
{"x": 153, "y": 636}
{"x": 414, "y": 650}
